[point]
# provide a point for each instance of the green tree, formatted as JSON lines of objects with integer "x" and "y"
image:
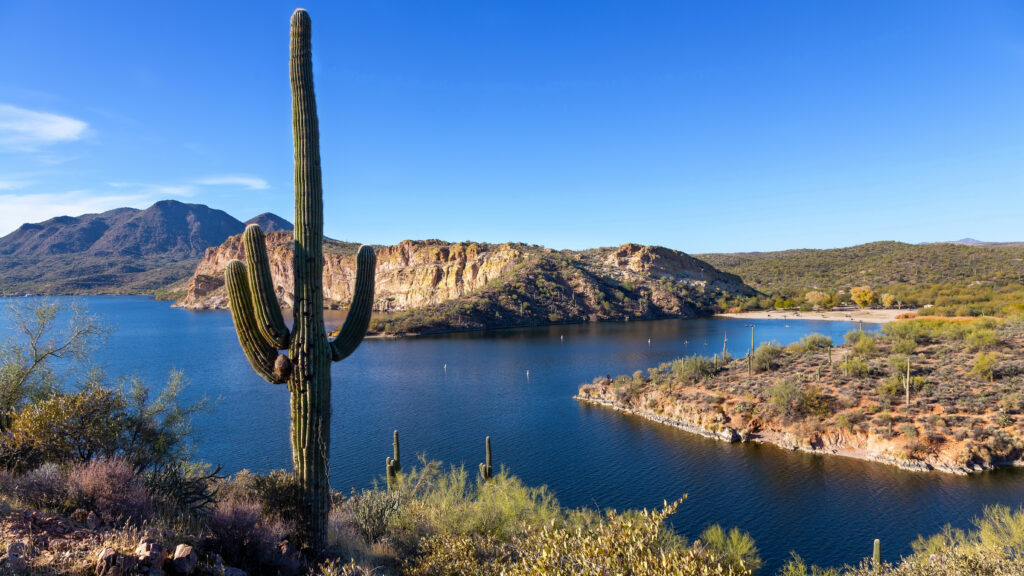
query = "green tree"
{"x": 44, "y": 332}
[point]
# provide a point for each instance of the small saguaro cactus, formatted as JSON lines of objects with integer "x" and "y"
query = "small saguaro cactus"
{"x": 393, "y": 465}
{"x": 876, "y": 557}
{"x": 486, "y": 472}
{"x": 257, "y": 316}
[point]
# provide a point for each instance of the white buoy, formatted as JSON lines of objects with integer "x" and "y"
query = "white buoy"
{"x": 446, "y": 369}
{"x": 527, "y": 374}
{"x": 562, "y": 337}
{"x": 648, "y": 342}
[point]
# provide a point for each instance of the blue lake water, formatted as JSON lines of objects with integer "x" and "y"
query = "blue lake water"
{"x": 827, "y": 509}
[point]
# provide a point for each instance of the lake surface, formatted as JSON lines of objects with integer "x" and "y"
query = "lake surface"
{"x": 446, "y": 393}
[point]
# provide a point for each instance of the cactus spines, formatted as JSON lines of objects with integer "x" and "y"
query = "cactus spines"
{"x": 486, "y": 472}
{"x": 876, "y": 557}
{"x": 393, "y": 465}
{"x": 257, "y": 317}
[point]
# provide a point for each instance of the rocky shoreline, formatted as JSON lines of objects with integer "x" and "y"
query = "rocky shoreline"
{"x": 786, "y": 441}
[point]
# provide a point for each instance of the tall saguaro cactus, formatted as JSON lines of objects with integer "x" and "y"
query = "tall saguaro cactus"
{"x": 257, "y": 315}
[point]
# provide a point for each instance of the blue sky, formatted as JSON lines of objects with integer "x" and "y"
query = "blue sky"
{"x": 702, "y": 126}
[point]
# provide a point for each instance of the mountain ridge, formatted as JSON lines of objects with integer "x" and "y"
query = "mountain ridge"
{"x": 121, "y": 250}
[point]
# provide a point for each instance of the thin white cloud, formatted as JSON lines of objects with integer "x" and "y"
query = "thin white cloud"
{"x": 25, "y": 130}
{"x": 157, "y": 191}
{"x": 249, "y": 182}
{"x": 13, "y": 184}
{"x": 21, "y": 208}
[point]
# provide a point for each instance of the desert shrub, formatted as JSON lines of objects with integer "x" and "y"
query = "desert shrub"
{"x": 866, "y": 346}
{"x": 112, "y": 489}
{"x": 182, "y": 490}
{"x": 693, "y": 368}
{"x": 785, "y": 397}
{"x": 448, "y": 554}
{"x": 904, "y": 346}
{"x": 735, "y": 548}
{"x": 766, "y": 357}
{"x": 853, "y": 336}
{"x": 243, "y": 535}
{"x": 812, "y": 401}
{"x": 982, "y": 339}
{"x": 279, "y": 494}
{"x": 373, "y": 510}
{"x": 634, "y": 544}
{"x": 18, "y": 454}
{"x": 436, "y": 501}
{"x": 855, "y": 366}
{"x": 45, "y": 487}
{"x": 984, "y": 366}
{"x": 811, "y": 343}
{"x": 796, "y": 566}
{"x": 908, "y": 430}
{"x": 99, "y": 422}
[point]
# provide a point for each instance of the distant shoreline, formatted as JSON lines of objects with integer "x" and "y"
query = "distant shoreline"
{"x": 870, "y": 316}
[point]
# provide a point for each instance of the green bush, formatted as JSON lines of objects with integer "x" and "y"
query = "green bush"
{"x": 855, "y": 366}
{"x": 735, "y": 548}
{"x": 99, "y": 422}
{"x": 984, "y": 366}
{"x": 693, "y": 369}
{"x": 373, "y": 510}
{"x": 866, "y": 346}
{"x": 767, "y": 356}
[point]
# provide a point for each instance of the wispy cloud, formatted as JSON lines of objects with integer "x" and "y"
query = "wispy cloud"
{"x": 21, "y": 208}
{"x": 249, "y": 182}
{"x": 156, "y": 190}
{"x": 13, "y": 184}
{"x": 23, "y": 130}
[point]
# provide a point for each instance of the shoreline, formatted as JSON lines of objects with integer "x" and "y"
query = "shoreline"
{"x": 868, "y": 316}
{"x": 783, "y": 441}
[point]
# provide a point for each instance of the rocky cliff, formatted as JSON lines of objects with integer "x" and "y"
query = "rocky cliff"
{"x": 426, "y": 286}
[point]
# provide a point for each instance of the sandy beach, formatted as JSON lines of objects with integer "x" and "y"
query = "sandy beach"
{"x": 870, "y": 316}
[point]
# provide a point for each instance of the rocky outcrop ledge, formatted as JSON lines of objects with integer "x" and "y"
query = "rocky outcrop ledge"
{"x": 712, "y": 425}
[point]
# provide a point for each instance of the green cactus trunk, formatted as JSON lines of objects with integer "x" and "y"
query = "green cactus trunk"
{"x": 486, "y": 471}
{"x": 257, "y": 316}
{"x": 876, "y": 556}
{"x": 392, "y": 466}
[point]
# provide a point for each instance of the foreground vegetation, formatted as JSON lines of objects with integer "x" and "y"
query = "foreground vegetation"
{"x": 924, "y": 393}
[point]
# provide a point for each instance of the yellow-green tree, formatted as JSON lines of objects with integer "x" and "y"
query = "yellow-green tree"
{"x": 863, "y": 296}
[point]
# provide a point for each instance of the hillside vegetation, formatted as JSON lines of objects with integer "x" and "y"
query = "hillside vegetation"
{"x": 957, "y": 279}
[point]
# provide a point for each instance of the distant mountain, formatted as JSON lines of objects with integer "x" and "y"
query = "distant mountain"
{"x": 271, "y": 222}
{"x": 876, "y": 264}
{"x": 125, "y": 250}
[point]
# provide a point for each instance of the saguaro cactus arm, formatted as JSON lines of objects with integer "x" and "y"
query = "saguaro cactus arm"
{"x": 263, "y": 357}
{"x": 358, "y": 319}
{"x": 266, "y": 309}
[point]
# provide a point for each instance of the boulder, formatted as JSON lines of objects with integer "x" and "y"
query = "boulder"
{"x": 185, "y": 559}
{"x": 13, "y": 564}
{"x": 149, "y": 552}
{"x": 110, "y": 562}
{"x": 19, "y": 549}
